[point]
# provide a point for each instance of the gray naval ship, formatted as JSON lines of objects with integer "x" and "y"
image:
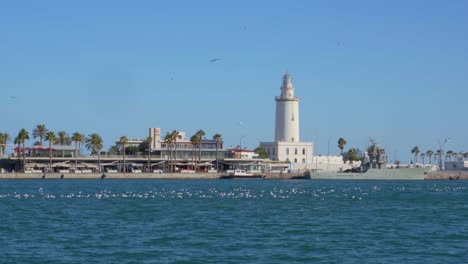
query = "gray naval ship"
{"x": 374, "y": 167}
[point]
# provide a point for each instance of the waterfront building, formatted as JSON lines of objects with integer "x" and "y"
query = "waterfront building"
{"x": 287, "y": 145}
{"x": 238, "y": 153}
{"x": 456, "y": 165}
{"x": 332, "y": 163}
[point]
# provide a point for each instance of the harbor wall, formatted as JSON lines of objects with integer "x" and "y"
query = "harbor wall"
{"x": 447, "y": 175}
{"x": 138, "y": 175}
{"x": 110, "y": 176}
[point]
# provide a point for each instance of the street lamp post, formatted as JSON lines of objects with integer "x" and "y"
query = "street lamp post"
{"x": 240, "y": 146}
{"x": 441, "y": 148}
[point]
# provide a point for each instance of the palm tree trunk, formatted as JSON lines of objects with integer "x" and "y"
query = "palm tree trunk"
{"x": 76, "y": 156}
{"x": 50, "y": 157}
{"x": 149, "y": 159}
{"x": 175, "y": 155}
{"x": 99, "y": 161}
{"x": 193, "y": 156}
{"x": 24, "y": 159}
{"x": 168, "y": 157}
{"x": 217, "y": 166}
{"x": 124, "y": 169}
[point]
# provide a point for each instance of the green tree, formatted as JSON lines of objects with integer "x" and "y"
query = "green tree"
{"x": 23, "y": 135}
{"x": 448, "y": 155}
{"x": 200, "y": 134}
{"x": 78, "y": 138}
{"x": 422, "y": 157}
{"x": 218, "y": 139}
{"x": 123, "y": 142}
{"x": 113, "y": 150}
{"x": 2, "y": 145}
{"x": 415, "y": 151}
{"x": 94, "y": 144}
{"x": 18, "y": 147}
{"x": 63, "y": 139}
{"x": 429, "y": 154}
{"x": 341, "y": 144}
{"x": 353, "y": 154}
{"x": 175, "y": 135}
{"x": 261, "y": 152}
{"x": 169, "y": 139}
{"x": 52, "y": 138}
{"x": 39, "y": 132}
{"x": 195, "y": 140}
{"x": 4, "y": 139}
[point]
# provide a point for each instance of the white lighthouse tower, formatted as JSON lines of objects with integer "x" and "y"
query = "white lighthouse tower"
{"x": 287, "y": 146}
{"x": 287, "y": 113}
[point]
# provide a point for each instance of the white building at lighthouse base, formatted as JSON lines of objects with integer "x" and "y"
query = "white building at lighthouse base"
{"x": 298, "y": 154}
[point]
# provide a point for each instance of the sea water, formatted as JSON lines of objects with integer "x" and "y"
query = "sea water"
{"x": 233, "y": 221}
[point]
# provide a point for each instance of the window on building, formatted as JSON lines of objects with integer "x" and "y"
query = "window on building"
{"x": 303, "y": 160}
{"x": 287, "y": 151}
{"x": 295, "y": 151}
{"x": 295, "y": 160}
{"x": 292, "y": 139}
{"x": 303, "y": 151}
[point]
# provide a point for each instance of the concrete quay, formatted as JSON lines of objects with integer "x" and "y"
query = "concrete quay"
{"x": 90, "y": 176}
{"x": 447, "y": 175}
{"x": 18, "y": 176}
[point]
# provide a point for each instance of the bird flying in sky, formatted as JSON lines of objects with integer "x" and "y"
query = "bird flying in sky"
{"x": 214, "y": 60}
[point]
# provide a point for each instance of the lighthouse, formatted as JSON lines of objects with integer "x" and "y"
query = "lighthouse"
{"x": 287, "y": 146}
{"x": 287, "y": 113}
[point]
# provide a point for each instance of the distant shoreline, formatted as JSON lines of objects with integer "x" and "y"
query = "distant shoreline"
{"x": 455, "y": 175}
{"x": 181, "y": 176}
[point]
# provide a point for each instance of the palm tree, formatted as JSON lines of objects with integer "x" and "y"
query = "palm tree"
{"x": 2, "y": 145}
{"x": 448, "y": 155}
{"x": 94, "y": 144}
{"x": 439, "y": 154}
{"x": 123, "y": 141}
{"x": 63, "y": 139}
{"x": 175, "y": 135}
{"x": 168, "y": 139}
{"x": 194, "y": 139}
{"x": 39, "y": 132}
{"x": 23, "y": 135}
{"x": 200, "y": 134}
{"x": 4, "y": 138}
{"x": 415, "y": 151}
{"x": 51, "y": 137}
{"x": 17, "y": 142}
{"x": 78, "y": 138}
{"x": 148, "y": 141}
{"x": 341, "y": 144}
{"x": 422, "y": 157}
{"x": 429, "y": 155}
{"x": 218, "y": 138}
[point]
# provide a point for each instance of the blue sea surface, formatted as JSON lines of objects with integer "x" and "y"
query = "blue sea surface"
{"x": 233, "y": 221}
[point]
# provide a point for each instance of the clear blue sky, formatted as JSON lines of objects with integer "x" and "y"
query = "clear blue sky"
{"x": 392, "y": 70}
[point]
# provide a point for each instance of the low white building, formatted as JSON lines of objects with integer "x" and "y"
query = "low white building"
{"x": 456, "y": 165}
{"x": 332, "y": 163}
{"x": 298, "y": 153}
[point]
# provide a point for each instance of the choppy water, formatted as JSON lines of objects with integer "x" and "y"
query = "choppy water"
{"x": 233, "y": 221}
